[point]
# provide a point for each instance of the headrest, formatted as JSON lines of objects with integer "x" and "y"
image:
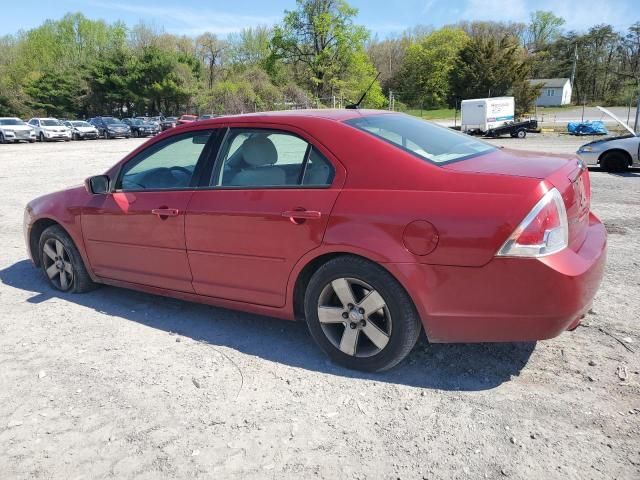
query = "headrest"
{"x": 259, "y": 152}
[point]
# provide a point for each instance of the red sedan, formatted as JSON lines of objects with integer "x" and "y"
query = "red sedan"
{"x": 187, "y": 119}
{"x": 369, "y": 225}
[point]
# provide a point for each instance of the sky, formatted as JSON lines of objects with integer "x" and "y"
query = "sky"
{"x": 382, "y": 17}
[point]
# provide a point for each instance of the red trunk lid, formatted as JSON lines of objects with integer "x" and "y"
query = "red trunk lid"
{"x": 566, "y": 173}
{"x": 517, "y": 163}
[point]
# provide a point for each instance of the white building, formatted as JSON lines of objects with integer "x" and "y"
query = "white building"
{"x": 554, "y": 91}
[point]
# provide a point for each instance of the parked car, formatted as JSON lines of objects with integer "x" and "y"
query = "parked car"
{"x": 141, "y": 128}
{"x": 111, "y": 127}
{"x": 613, "y": 153}
{"x": 13, "y": 129}
{"x": 207, "y": 116}
{"x": 186, "y": 119}
{"x": 283, "y": 214}
{"x": 81, "y": 130}
{"x": 168, "y": 122}
{"x": 165, "y": 123}
{"x": 50, "y": 129}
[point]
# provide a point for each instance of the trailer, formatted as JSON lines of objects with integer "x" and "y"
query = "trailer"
{"x": 515, "y": 129}
{"x": 479, "y": 115}
{"x": 493, "y": 117}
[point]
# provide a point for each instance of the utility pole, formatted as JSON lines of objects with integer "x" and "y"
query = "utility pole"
{"x": 573, "y": 69}
{"x": 636, "y": 127}
{"x": 390, "y": 100}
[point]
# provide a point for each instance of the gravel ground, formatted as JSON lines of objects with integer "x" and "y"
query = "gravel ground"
{"x": 120, "y": 384}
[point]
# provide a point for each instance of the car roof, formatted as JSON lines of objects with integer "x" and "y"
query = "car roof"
{"x": 338, "y": 115}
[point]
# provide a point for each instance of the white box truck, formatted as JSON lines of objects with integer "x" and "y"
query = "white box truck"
{"x": 492, "y": 117}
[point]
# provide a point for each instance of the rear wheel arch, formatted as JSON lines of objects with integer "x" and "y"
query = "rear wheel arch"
{"x": 312, "y": 267}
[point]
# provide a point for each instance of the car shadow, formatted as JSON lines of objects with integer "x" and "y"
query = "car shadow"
{"x": 632, "y": 172}
{"x": 458, "y": 367}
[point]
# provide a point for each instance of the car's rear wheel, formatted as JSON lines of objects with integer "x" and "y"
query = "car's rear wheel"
{"x": 521, "y": 133}
{"x": 41, "y": 137}
{"x": 360, "y": 315}
{"x": 2, "y": 139}
{"x": 614, "y": 162}
{"x": 61, "y": 262}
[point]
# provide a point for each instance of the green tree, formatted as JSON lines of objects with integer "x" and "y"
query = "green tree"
{"x": 320, "y": 40}
{"x": 488, "y": 68}
{"x": 544, "y": 27}
{"x": 56, "y": 94}
{"x": 425, "y": 75}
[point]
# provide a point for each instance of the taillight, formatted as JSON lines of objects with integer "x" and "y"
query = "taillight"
{"x": 543, "y": 231}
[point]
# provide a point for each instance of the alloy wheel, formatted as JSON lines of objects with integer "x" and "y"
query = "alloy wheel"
{"x": 57, "y": 264}
{"x": 354, "y": 317}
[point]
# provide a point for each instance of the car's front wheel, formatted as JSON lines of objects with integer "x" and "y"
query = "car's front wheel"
{"x": 614, "y": 162}
{"x": 61, "y": 262}
{"x": 360, "y": 315}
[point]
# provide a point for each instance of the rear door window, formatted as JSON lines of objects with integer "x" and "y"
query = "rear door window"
{"x": 255, "y": 158}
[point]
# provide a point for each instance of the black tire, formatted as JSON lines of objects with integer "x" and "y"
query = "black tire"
{"x": 78, "y": 281}
{"x": 522, "y": 133}
{"x": 401, "y": 321}
{"x": 32, "y": 140}
{"x": 41, "y": 137}
{"x": 614, "y": 162}
{"x": 2, "y": 139}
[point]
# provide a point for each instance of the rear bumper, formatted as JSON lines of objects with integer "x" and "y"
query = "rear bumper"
{"x": 509, "y": 299}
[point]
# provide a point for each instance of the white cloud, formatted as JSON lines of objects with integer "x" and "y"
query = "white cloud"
{"x": 190, "y": 21}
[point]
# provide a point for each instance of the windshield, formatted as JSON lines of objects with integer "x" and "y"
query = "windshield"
{"x": 135, "y": 121}
{"x": 423, "y": 139}
{"x": 51, "y": 122}
{"x": 110, "y": 120}
{"x": 11, "y": 121}
{"x": 80, "y": 124}
{"x": 170, "y": 119}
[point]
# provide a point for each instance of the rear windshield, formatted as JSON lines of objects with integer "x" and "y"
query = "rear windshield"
{"x": 425, "y": 140}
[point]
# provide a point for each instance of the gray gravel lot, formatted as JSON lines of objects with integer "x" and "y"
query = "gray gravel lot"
{"x": 120, "y": 384}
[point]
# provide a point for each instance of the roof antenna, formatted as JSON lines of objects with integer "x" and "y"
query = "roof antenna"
{"x": 355, "y": 106}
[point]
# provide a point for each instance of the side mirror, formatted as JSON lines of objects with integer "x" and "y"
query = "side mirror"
{"x": 98, "y": 184}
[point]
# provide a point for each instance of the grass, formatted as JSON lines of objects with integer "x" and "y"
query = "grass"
{"x": 439, "y": 114}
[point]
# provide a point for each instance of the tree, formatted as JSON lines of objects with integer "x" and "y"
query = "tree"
{"x": 544, "y": 27}
{"x": 388, "y": 57}
{"x": 486, "y": 67}
{"x": 320, "y": 40}
{"x": 56, "y": 94}
{"x": 251, "y": 46}
{"x": 424, "y": 77}
{"x": 210, "y": 51}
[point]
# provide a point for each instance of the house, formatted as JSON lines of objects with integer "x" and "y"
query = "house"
{"x": 554, "y": 91}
